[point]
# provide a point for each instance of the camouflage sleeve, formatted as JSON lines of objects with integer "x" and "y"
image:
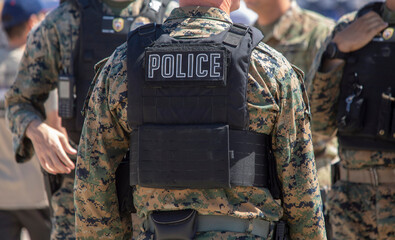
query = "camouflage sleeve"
{"x": 323, "y": 101}
{"x": 319, "y": 39}
{"x": 324, "y": 88}
{"x": 292, "y": 145}
{"x": 104, "y": 142}
{"x": 37, "y": 76}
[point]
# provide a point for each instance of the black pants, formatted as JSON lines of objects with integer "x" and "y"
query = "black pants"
{"x": 36, "y": 221}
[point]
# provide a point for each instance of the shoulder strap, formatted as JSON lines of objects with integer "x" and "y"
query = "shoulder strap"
{"x": 257, "y": 36}
{"x": 237, "y": 32}
{"x": 373, "y": 6}
{"x": 147, "y": 34}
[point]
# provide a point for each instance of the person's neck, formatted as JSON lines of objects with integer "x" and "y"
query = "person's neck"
{"x": 272, "y": 12}
{"x": 16, "y": 43}
{"x": 390, "y": 5}
{"x": 223, "y": 5}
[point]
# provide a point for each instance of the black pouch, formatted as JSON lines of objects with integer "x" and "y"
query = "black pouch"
{"x": 178, "y": 157}
{"x": 124, "y": 190}
{"x": 353, "y": 111}
{"x": 54, "y": 181}
{"x": 174, "y": 225}
{"x": 385, "y": 115}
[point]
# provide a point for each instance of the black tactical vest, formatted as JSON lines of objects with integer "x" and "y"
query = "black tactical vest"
{"x": 366, "y": 110}
{"x": 99, "y": 35}
{"x": 187, "y": 105}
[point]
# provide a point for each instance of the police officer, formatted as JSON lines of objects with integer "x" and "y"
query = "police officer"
{"x": 23, "y": 201}
{"x": 295, "y": 32}
{"x": 61, "y": 53}
{"x": 218, "y": 129}
{"x": 298, "y": 34}
{"x": 352, "y": 93}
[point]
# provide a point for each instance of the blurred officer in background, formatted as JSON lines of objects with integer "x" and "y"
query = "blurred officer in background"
{"x": 219, "y": 132}
{"x": 295, "y": 32}
{"x": 353, "y": 94}
{"x": 244, "y": 15}
{"x": 23, "y": 201}
{"x": 61, "y": 53}
{"x": 298, "y": 34}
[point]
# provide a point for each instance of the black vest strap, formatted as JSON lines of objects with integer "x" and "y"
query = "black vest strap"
{"x": 235, "y": 34}
{"x": 373, "y": 6}
{"x": 148, "y": 34}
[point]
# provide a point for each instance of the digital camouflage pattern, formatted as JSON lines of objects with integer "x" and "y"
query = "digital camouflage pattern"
{"x": 62, "y": 202}
{"x": 361, "y": 211}
{"x": 299, "y": 35}
{"x": 48, "y": 51}
{"x": 357, "y": 211}
{"x": 277, "y": 104}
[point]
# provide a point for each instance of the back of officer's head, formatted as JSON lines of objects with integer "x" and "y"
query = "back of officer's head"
{"x": 228, "y": 5}
{"x": 16, "y": 15}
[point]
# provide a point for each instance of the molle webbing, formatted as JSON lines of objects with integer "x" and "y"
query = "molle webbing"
{"x": 198, "y": 156}
{"x": 165, "y": 105}
{"x": 191, "y": 126}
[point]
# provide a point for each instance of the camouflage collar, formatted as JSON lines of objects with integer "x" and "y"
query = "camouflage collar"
{"x": 281, "y": 27}
{"x": 199, "y": 12}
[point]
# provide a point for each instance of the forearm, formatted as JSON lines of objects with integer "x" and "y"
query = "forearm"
{"x": 20, "y": 116}
{"x": 324, "y": 98}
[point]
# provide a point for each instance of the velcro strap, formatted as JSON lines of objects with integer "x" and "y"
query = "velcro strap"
{"x": 147, "y": 33}
{"x": 248, "y": 159}
{"x": 374, "y": 176}
{"x": 235, "y": 34}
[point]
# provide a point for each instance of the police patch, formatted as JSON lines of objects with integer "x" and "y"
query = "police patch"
{"x": 118, "y": 24}
{"x": 387, "y": 33}
{"x": 186, "y": 66}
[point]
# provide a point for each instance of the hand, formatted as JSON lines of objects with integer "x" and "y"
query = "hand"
{"x": 51, "y": 147}
{"x": 54, "y": 121}
{"x": 360, "y": 32}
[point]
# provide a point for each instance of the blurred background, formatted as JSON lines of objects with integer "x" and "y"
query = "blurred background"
{"x": 330, "y": 8}
{"x": 333, "y": 8}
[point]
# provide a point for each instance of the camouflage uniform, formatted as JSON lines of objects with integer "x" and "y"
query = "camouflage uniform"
{"x": 42, "y": 61}
{"x": 277, "y": 104}
{"x": 357, "y": 211}
{"x": 298, "y": 35}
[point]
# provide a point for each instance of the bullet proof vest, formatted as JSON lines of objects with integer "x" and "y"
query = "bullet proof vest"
{"x": 99, "y": 35}
{"x": 188, "y": 110}
{"x": 366, "y": 112}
